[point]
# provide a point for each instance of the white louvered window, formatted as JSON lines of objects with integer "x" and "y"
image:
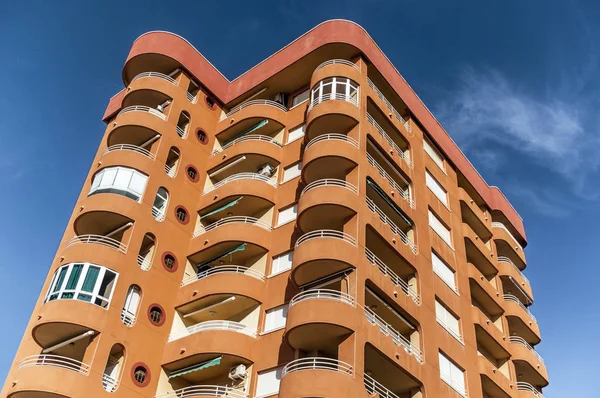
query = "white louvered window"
{"x": 268, "y": 382}
{"x": 275, "y": 318}
{"x": 292, "y": 171}
{"x": 443, "y": 271}
{"x": 120, "y": 180}
{"x": 436, "y": 188}
{"x": 452, "y": 375}
{"x": 440, "y": 228}
{"x": 287, "y": 215}
{"x": 434, "y": 154}
{"x": 447, "y": 320}
{"x": 282, "y": 263}
{"x": 296, "y": 133}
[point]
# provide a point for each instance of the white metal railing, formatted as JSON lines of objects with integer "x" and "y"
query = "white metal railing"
{"x": 353, "y": 99}
{"x": 233, "y": 220}
{"x": 326, "y": 233}
{"x": 191, "y": 97}
{"x": 252, "y": 137}
{"x": 522, "y": 386}
{"x": 503, "y": 259}
{"x": 158, "y": 214}
{"x": 387, "y": 330}
{"x": 128, "y": 318}
{"x": 395, "y": 229}
{"x": 171, "y": 171}
{"x": 144, "y": 263}
{"x": 142, "y": 108}
{"x": 181, "y": 132}
{"x": 404, "y": 193}
{"x": 389, "y": 140}
{"x": 338, "y": 62}
{"x": 375, "y": 387}
{"x": 317, "y": 363}
{"x": 396, "y": 280}
{"x": 330, "y": 182}
{"x": 129, "y": 147}
{"x": 389, "y": 105}
{"x": 452, "y": 383}
{"x": 242, "y": 176}
{"x": 55, "y": 360}
{"x": 224, "y": 269}
{"x": 322, "y": 294}
{"x": 514, "y": 299}
{"x": 496, "y": 224}
{"x": 155, "y": 75}
{"x": 255, "y": 102}
{"x": 213, "y": 325}
{"x": 109, "y": 383}
{"x": 521, "y": 340}
{"x": 334, "y": 137}
{"x": 204, "y": 391}
{"x": 98, "y": 240}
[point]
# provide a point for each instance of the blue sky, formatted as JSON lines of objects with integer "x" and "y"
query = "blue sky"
{"x": 515, "y": 83}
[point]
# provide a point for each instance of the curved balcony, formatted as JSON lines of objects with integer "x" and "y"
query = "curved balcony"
{"x": 247, "y": 104}
{"x": 321, "y": 253}
{"x": 384, "y": 219}
{"x": 507, "y": 267}
{"x": 97, "y": 240}
{"x": 213, "y": 325}
{"x": 329, "y": 155}
{"x": 129, "y": 148}
{"x": 520, "y": 320}
{"x": 150, "y": 89}
{"x": 57, "y": 361}
{"x": 323, "y": 203}
{"x": 204, "y": 391}
{"x": 317, "y": 377}
{"x": 402, "y": 154}
{"x": 527, "y": 390}
{"x": 388, "y": 104}
{"x": 528, "y": 362}
{"x": 242, "y": 177}
{"x": 507, "y": 245}
{"x": 233, "y": 220}
{"x": 259, "y": 144}
{"x": 155, "y": 75}
{"x": 144, "y": 109}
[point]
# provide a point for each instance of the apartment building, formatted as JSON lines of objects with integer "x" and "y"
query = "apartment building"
{"x": 305, "y": 230}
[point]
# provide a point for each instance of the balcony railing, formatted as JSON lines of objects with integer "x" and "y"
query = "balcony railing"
{"x": 158, "y": 214}
{"x": 332, "y": 137}
{"x": 183, "y": 133}
{"x": 449, "y": 329}
{"x": 353, "y": 99}
{"x": 396, "y": 280}
{"x": 404, "y": 194}
{"x": 395, "y": 229}
{"x": 322, "y": 294}
{"x": 338, "y": 62}
{"x": 253, "y": 137}
{"x": 213, "y": 325}
{"x": 233, "y": 220}
{"x": 142, "y": 108}
{"x": 520, "y": 340}
{"x": 255, "y": 102}
{"x": 55, "y": 360}
{"x": 224, "y": 269}
{"x": 514, "y": 299}
{"x": 387, "y": 330}
{"x": 522, "y": 386}
{"x": 326, "y": 233}
{"x": 109, "y": 383}
{"x": 144, "y": 263}
{"x": 317, "y": 363}
{"x": 329, "y": 182}
{"x": 375, "y": 387}
{"x": 496, "y": 224}
{"x": 156, "y": 75}
{"x": 98, "y": 240}
{"x": 191, "y": 97}
{"x": 171, "y": 171}
{"x": 389, "y": 105}
{"x": 503, "y": 259}
{"x": 204, "y": 391}
{"x": 242, "y": 176}
{"x": 386, "y": 137}
{"x": 131, "y": 148}
{"x": 128, "y": 318}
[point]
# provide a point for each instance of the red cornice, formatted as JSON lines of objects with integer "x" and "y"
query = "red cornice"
{"x": 336, "y": 31}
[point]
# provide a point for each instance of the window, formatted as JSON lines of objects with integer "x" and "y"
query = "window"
{"x": 436, "y": 188}
{"x": 268, "y": 382}
{"x": 443, "y": 271}
{"x": 447, "y": 320}
{"x": 155, "y": 314}
{"x": 282, "y": 263}
{"x": 120, "y": 180}
{"x": 292, "y": 171}
{"x": 335, "y": 88}
{"x": 296, "y": 133}
{"x": 130, "y": 307}
{"x": 440, "y": 228}
{"x": 169, "y": 262}
{"x": 300, "y": 98}
{"x": 140, "y": 374}
{"x": 159, "y": 207}
{"x": 452, "y": 375}
{"x": 83, "y": 281}
{"x": 201, "y": 136}
{"x": 288, "y": 214}
{"x": 192, "y": 173}
{"x": 182, "y": 215}
{"x": 275, "y": 318}
{"x": 433, "y": 153}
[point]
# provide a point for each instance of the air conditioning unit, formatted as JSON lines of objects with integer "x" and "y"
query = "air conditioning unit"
{"x": 237, "y": 372}
{"x": 266, "y": 170}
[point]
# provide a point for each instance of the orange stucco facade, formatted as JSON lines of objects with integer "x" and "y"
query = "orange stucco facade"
{"x": 307, "y": 229}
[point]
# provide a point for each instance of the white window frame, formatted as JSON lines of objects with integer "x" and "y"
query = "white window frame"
{"x": 440, "y": 268}
{"x": 97, "y": 186}
{"x": 296, "y": 133}
{"x": 348, "y": 91}
{"x": 452, "y": 375}
{"x": 271, "y": 328}
{"x": 447, "y": 320}
{"x": 294, "y": 208}
{"x": 436, "y": 188}
{"x": 129, "y": 314}
{"x": 275, "y": 378}
{"x": 295, "y": 97}
{"x": 440, "y": 229}
{"x": 276, "y": 260}
{"x": 434, "y": 154}
{"x": 292, "y": 170}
